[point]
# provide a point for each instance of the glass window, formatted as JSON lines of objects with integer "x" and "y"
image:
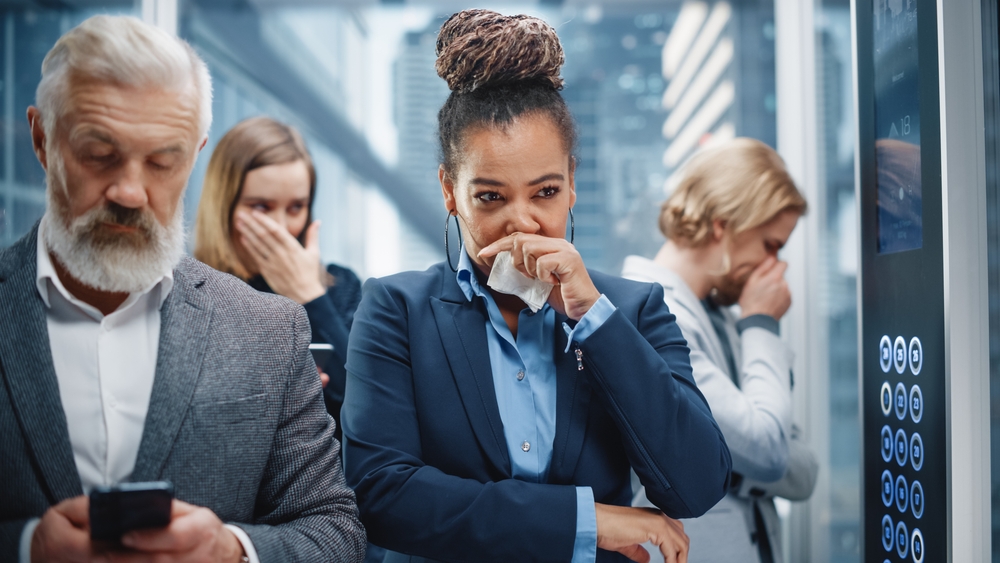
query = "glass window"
{"x": 830, "y": 528}
{"x": 27, "y": 32}
{"x": 647, "y": 83}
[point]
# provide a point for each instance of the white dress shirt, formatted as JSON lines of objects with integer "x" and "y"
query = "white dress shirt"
{"x": 105, "y": 366}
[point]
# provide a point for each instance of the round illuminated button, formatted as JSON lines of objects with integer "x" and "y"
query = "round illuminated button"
{"x": 916, "y": 451}
{"x": 885, "y": 354}
{"x": 902, "y": 539}
{"x": 917, "y": 499}
{"x": 888, "y": 535}
{"x": 916, "y": 403}
{"x": 899, "y": 399}
{"x": 902, "y": 494}
{"x": 887, "y": 488}
{"x": 916, "y": 355}
{"x": 899, "y": 354}
{"x": 917, "y": 546}
{"x": 886, "y": 444}
{"x": 901, "y": 447}
{"x": 885, "y": 398}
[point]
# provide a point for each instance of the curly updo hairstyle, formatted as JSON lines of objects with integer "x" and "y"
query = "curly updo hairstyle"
{"x": 498, "y": 68}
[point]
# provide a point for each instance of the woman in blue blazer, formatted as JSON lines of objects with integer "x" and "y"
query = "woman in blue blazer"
{"x": 479, "y": 429}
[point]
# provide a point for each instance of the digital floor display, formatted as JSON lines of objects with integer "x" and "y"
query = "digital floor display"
{"x": 902, "y": 304}
{"x": 897, "y": 125}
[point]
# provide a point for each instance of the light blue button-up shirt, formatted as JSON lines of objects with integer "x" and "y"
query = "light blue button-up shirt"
{"x": 524, "y": 376}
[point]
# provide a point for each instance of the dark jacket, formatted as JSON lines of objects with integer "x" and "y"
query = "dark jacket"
{"x": 424, "y": 445}
{"x": 235, "y": 419}
{"x": 331, "y": 317}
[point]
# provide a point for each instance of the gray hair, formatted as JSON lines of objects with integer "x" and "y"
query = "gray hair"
{"x": 121, "y": 50}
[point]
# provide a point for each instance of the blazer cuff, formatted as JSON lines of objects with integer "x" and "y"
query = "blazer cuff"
{"x": 245, "y": 542}
{"x": 24, "y": 552}
{"x": 766, "y": 322}
{"x": 599, "y": 312}
{"x": 585, "y": 545}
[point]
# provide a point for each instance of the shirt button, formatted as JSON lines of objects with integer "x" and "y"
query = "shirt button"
{"x": 520, "y": 375}
{"x": 525, "y": 446}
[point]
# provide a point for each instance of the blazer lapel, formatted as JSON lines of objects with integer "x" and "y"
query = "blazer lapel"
{"x": 26, "y": 364}
{"x": 462, "y": 327}
{"x": 572, "y": 406}
{"x": 184, "y": 328}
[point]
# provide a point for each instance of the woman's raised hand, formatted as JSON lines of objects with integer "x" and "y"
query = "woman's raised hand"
{"x": 289, "y": 268}
{"x": 555, "y": 261}
{"x": 624, "y": 529}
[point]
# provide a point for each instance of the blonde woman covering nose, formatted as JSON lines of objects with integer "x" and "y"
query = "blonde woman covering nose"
{"x": 255, "y": 222}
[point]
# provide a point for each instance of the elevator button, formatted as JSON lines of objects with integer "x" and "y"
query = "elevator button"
{"x": 900, "y": 401}
{"x": 885, "y": 354}
{"x": 902, "y": 494}
{"x": 885, "y": 398}
{"x": 917, "y": 499}
{"x": 888, "y": 535}
{"x": 916, "y": 355}
{"x": 902, "y": 539}
{"x": 899, "y": 354}
{"x": 886, "y": 444}
{"x": 917, "y": 546}
{"x": 887, "y": 489}
{"x": 916, "y": 451}
{"x": 901, "y": 448}
{"x": 916, "y": 403}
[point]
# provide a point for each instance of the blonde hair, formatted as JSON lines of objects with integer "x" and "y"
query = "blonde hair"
{"x": 742, "y": 182}
{"x": 121, "y": 50}
{"x": 251, "y": 144}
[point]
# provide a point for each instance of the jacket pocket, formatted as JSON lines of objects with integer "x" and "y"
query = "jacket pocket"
{"x": 229, "y": 411}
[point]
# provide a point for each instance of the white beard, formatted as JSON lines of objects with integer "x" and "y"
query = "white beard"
{"x": 112, "y": 262}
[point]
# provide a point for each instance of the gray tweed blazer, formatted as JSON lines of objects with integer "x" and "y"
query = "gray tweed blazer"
{"x": 236, "y": 418}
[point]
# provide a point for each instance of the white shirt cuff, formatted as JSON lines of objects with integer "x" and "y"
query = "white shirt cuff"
{"x": 26, "y": 534}
{"x": 245, "y": 542}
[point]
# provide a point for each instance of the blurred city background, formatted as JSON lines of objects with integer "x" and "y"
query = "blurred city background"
{"x": 649, "y": 82}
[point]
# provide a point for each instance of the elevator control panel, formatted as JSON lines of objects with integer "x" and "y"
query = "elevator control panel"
{"x": 903, "y": 385}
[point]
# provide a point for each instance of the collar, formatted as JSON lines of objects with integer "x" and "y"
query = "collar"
{"x": 470, "y": 286}
{"x": 46, "y": 277}
{"x": 467, "y": 280}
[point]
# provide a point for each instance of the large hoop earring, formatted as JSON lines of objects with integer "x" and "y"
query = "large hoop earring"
{"x": 572, "y": 226}
{"x": 447, "y": 251}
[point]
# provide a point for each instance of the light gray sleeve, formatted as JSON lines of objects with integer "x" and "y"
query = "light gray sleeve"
{"x": 799, "y": 479}
{"x": 756, "y": 416}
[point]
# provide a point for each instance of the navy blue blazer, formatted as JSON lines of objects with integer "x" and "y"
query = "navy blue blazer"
{"x": 424, "y": 446}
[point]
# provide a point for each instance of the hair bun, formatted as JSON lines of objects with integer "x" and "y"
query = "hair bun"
{"x": 477, "y": 48}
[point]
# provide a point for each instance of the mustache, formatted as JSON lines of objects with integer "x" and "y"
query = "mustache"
{"x": 96, "y": 221}
{"x": 120, "y": 215}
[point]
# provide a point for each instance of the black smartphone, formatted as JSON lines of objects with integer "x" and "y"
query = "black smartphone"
{"x": 129, "y": 506}
{"x": 321, "y": 353}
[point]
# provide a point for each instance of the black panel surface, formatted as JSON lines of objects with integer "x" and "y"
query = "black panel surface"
{"x": 902, "y": 287}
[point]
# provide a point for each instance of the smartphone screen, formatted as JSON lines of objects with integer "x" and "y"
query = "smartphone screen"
{"x": 129, "y": 506}
{"x": 321, "y": 353}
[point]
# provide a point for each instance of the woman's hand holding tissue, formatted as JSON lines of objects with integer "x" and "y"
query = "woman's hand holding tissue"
{"x": 554, "y": 261}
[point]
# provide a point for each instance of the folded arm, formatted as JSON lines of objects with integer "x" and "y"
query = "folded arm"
{"x": 642, "y": 376}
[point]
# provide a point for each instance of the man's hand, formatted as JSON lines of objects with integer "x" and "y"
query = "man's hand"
{"x": 289, "y": 268}
{"x": 195, "y": 535}
{"x": 624, "y": 529}
{"x": 766, "y": 291}
{"x": 63, "y": 533}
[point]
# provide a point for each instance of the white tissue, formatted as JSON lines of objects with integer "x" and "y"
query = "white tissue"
{"x": 505, "y": 278}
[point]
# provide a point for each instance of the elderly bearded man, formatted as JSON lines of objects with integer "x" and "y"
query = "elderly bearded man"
{"x": 121, "y": 360}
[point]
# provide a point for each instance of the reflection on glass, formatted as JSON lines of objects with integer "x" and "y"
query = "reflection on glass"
{"x": 897, "y": 126}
